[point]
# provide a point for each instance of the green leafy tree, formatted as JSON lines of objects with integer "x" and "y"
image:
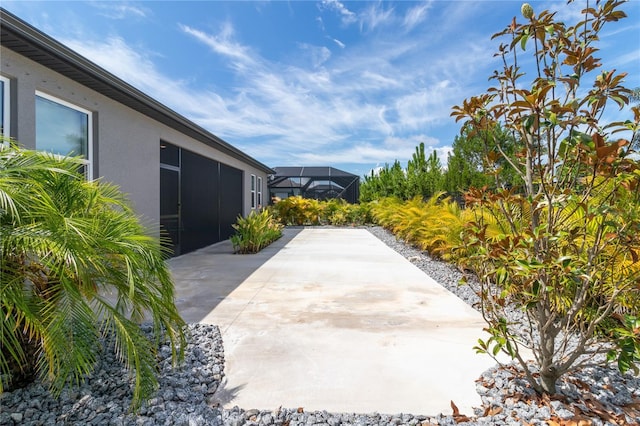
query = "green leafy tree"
{"x": 568, "y": 253}
{"x": 417, "y": 174}
{"x": 467, "y": 166}
{"x": 433, "y": 176}
{"x": 422, "y": 178}
{"x": 76, "y": 265}
{"x": 390, "y": 181}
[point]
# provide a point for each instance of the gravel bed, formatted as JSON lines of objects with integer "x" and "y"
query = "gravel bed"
{"x": 596, "y": 396}
{"x": 183, "y": 398}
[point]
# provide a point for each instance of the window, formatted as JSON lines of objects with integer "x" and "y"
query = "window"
{"x": 5, "y": 104}
{"x": 253, "y": 191}
{"x": 63, "y": 128}
{"x": 259, "y": 192}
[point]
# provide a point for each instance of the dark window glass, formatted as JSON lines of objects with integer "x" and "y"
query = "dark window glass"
{"x": 61, "y": 129}
{"x": 169, "y": 154}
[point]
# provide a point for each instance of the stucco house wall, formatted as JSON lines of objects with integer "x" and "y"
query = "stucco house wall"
{"x": 126, "y": 142}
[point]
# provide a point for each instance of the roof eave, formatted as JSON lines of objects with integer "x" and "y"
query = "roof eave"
{"x": 19, "y": 36}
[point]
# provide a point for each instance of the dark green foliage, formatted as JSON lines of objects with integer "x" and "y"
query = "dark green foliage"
{"x": 390, "y": 181}
{"x": 423, "y": 177}
{"x": 467, "y": 166}
{"x": 255, "y": 232}
{"x": 75, "y": 265}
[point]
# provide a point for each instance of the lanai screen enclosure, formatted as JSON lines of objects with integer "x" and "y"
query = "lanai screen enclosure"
{"x": 320, "y": 183}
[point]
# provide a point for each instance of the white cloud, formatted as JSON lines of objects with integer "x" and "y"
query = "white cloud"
{"x": 426, "y": 106}
{"x": 339, "y": 43}
{"x": 570, "y": 14}
{"x": 628, "y": 61}
{"x": 375, "y": 15}
{"x": 223, "y": 44}
{"x": 347, "y": 16}
{"x": 314, "y": 114}
{"x": 416, "y": 15}
{"x": 379, "y": 80}
{"x": 317, "y": 54}
{"x": 387, "y": 151}
{"x": 114, "y": 10}
{"x": 126, "y": 62}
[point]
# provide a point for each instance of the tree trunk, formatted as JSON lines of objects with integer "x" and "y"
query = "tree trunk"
{"x": 21, "y": 375}
{"x": 548, "y": 378}
{"x": 548, "y": 371}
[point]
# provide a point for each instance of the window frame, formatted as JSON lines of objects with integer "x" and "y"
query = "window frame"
{"x": 6, "y": 106}
{"x": 89, "y": 160}
{"x": 253, "y": 191}
{"x": 259, "y": 191}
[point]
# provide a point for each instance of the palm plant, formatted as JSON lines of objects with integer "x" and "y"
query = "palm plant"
{"x": 76, "y": 265}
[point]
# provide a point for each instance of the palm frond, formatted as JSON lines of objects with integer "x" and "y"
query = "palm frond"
{"x": 64, "y": 241}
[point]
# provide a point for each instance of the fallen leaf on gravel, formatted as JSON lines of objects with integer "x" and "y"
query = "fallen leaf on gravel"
{"x": 582, "y": 385}
{"x": 600, "y": 410}
{"x": 558, "y": 397}
{"x": 300, "y": 410}
{"x": 575, "y": 421}
{"x": 632, "y": 409}
{"x": 454, "y": 407}
{"x": 459, "y": 418}
{"x": 492, "y": 411}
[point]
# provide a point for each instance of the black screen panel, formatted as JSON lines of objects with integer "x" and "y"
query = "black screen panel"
{"x": 199, "y": 194}
{"x": 230, "y": 199}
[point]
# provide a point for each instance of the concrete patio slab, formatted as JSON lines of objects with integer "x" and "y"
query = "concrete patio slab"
{"x": 333, "y": 319}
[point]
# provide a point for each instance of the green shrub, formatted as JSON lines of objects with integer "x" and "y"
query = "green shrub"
{"x": 297, "y": 211}
{"x": 64, "y": 243}
{"x": 334, "y": 212}
{"x": 359, "y": 214}
{"x": 303, "y": 211}
{"x": 255, "y": 232}
{"x": 434, "y": 225}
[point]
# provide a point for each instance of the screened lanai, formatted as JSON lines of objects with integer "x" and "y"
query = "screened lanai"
{"x": 320, "y": 183}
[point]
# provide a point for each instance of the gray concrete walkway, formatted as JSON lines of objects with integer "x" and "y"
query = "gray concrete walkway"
{"x": 333, "y": 319}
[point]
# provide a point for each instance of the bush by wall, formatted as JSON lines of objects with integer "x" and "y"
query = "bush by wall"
{"x": 255, "y": 232}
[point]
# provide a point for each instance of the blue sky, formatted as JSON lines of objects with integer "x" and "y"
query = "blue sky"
{"x": 353, "y": 85}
